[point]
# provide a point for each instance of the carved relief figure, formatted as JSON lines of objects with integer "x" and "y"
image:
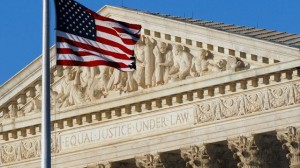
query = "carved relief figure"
{"x": 200, "y": 63}
{"x": 149, "y": 61}
{"x": 71, "y": 91}
{"x": 13, "y": 110}
{"x": 34, "y": 106}
{"x": 163, "y": 62}
{"x": 236, "y": 64}
{"x": 168, "y": 64}
{"x": 85, "y": 79}
{"x": 30, "y": 148}
{"x": 217, "y": 66}
{"x": 99, "y": 86}
{"x": 139, "y": 74}
{"x": 4, "y": 114}
{"x": 182, "y": 63}
{"x": 131, "y": 85}
{"x": 34, "y": 100}
{"x": 117, "y": 81}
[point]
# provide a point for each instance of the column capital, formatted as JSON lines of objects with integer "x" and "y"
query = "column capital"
{"x": 246, "y": 150}
{"x": 195, "y": 156}
{"x": 290, "y": 137}
{"x": 149, "y": 161}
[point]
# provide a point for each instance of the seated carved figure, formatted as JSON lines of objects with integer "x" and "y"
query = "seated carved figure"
{"x": 200, "y": 62}
{"x": 182, "y": 63}
{"x": 70, "y": 91}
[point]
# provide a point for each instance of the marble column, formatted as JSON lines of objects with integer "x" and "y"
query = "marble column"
{"x": 290, "y": 137}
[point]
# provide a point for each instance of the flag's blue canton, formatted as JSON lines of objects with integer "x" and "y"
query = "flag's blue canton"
{"x": 73, "y": 18}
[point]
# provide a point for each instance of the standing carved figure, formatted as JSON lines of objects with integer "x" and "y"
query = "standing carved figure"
{"x": 86, "y": 80}
{"x": 117, "y": 81}
{"x": 139, "y": 74}
{"x": 131, "y": 84}
{"x": 160, "y": 52}
{"x": 101, "y": 81}
{"x": 149, "y": 61}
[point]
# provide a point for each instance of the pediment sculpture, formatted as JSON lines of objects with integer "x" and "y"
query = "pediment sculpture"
{"x": 158, "y": 62}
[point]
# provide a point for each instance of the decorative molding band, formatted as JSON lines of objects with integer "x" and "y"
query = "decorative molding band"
{"x": 25, "y": 149}
{"x": 248, "y": 102}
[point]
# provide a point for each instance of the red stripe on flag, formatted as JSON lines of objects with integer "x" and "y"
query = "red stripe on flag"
{"x": 92, "y": 48}
{"x": 120, "y": 30}
{"x": 115, "y": 44}
{"x": 127, "y": 25}
{"x": 70, "y": 51}
{"x": 113, "y": 32}
{"x": 91, "y": 63}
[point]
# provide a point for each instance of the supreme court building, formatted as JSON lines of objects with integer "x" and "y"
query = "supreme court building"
{"x": 204, "y": 95}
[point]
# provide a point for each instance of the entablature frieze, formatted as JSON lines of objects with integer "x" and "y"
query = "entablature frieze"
{"x": 164, "y": 97}
{"x": 205, "y": 106}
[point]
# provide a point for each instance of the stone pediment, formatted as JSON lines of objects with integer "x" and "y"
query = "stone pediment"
{"x": 171, "y": 53}
{"x": 195, "y": 83}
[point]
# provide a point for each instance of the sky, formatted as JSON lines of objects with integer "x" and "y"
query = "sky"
{"x": 21, "y": 21}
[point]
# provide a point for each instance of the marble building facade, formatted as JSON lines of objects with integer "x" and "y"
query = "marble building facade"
{"x": 204, "y": 95}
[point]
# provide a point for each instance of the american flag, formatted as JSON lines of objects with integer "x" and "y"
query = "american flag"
{"x": 85, "y": 38}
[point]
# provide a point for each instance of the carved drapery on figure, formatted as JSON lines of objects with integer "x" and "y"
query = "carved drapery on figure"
{"x": 246, "y": 150}
{"x": 291, "y": 141}
{"x": 196, "y": 156}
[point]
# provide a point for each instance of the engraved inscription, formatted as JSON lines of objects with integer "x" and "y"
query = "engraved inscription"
{"x": 128, "y": 128}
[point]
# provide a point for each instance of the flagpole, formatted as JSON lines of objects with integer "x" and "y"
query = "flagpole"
{"x": 46, "y": 122}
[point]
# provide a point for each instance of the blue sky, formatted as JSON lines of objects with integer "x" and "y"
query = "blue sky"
{"x": 21, "y": 20}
